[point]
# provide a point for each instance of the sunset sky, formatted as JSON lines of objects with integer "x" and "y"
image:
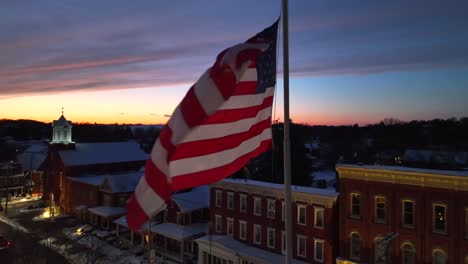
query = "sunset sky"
{"x": 132, "y": 61}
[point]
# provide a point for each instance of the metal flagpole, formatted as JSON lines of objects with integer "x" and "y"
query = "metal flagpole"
{"x": 287, "y": 147}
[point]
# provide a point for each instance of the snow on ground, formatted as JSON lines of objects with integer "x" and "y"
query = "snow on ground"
{"x": 13, "y": 224}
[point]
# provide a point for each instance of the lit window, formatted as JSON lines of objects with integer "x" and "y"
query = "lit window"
{"x": 242, "y": 229}
{"x": 271, "y": 208}
{"x": 355, "y": 246}
{"x": 355, "y": 205}
{"x": 257, "y": 206}
{"x": 230, "y": 197}
{"x": 230, "y": 226}
{"x": 408, "y": 213}
{"x": 301, "y": 245}
{"x": 258, "y": 234}
{"x": 440, "y": 218}
{"x": 271, "y": 237}
{"x": 318, "y": 250}
{"x": 219, "y": 198}
{"x": 380, "y": 209}
{"x": 301, "y": 214}
{"x": 408, "y": 254}
{"x": 318, "y": 217}
{"x": 219, "y": 223}
{"x": 243, "y": 202}
{"x": 439, "y": 257}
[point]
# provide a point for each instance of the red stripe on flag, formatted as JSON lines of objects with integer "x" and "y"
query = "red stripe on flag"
{"x": 246, "y": 88}
{"x": 157, "y": 180}
{"x": 209, "y": 176}
{"x": 232, "y": 115}
{"x": 209, "y": 146}
{"x": 135, "y": 215}
{"x": 191, "y": 109}
{"x": 165, "y": 139}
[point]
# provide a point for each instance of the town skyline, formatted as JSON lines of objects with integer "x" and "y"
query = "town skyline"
{"x": 121, "y": 63}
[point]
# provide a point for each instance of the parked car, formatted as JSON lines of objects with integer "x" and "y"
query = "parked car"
{"x": 5, "y": 244}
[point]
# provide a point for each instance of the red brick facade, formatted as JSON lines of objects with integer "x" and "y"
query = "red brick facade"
{"x": 418, "y": 193}
{"x": 274, "y": 221}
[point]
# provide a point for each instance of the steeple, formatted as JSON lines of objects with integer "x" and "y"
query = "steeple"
{"x": 62, "y": 131}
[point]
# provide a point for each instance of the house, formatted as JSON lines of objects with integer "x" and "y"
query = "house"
{"x": 12, "y": 180}
{"x": 248, "y": 226}
{"x": 391, "y": 214}
{"x": 31, "y": 160}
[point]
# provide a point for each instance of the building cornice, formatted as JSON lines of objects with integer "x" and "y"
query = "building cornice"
{"x": 415, "y": 178}
{"x": 278, "y": 194}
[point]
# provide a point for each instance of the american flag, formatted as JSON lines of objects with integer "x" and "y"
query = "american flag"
{"x": 223, "y": 121}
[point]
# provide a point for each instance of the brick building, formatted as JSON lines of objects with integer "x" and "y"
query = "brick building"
{"x": 247, "y": 224}
{"x": 426, "y": 210}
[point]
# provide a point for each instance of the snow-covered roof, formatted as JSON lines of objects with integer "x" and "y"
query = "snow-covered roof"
{"x": 441, "y": 157}
{"x": 405, "y": 169}
{"x": 122, "y": 221}
{"x": 197, "y": 198}
{"x": 107, "y": 211}
{"x": 33, "y": 156}
{"x": 179, "y": 232}
{"x": 124, "y": 182}
{"x": 327, "y": 175}
{"x": 294, "y": 188}
{"x": 244, "y": 250}
{"x": 102, "y": 153}
{"x": 91, "y": 180}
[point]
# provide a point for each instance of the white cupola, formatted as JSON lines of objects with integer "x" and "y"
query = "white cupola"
{"x": 62, "y": 131}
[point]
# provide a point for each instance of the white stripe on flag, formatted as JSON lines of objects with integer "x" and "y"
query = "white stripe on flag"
{"x": 250, "y": 75}
{"x": 208, "y": 94}
{"x": 218, "y": 159}
{"x": 148, "y": 200}
{"x": 225, "y": 129}
{"x": 249, "y": 100}
{"x": 159, "y": 157}
{"x": 178, "y": 126}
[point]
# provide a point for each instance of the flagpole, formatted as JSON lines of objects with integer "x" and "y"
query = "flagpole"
{"x": 287, "y": 147}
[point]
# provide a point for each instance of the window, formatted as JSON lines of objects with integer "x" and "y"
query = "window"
{"x": 258, "y": 234}
{"x": 301, "y": 214}
{"x": 230, "y": 226}
{"x": 355, "y": 205}
{"x": 271, "y": 208}
{"x": 242, "y": 229}
{"x": 379, "y": 250}
{"x": 466, "y": 260}
{"x": 439, "y": 218}
{"x": 218, "y": 223}
{"x": 439, "y": 257}
{"x": 243, "y": 202}
{"x": 283, "y": 211}
{"x": 230, "y": 201}
{"x": 318, "y": 217}
{"x": 301, "y": 245}
{"x": 408, "y": 213}
{"x": 466, "y": 223}
{"x": 271, "y": 237}
{"x": 379, "y": 209}
{"x": 356, "y": 241}
{"x": 318, "y": 250}
{"x": 219, "y": 198}
{"x": 408, "y": 254}
{"x": 283, "y": 243}
{"x": 178, "y": 218}
{"x": 257, "y": 206}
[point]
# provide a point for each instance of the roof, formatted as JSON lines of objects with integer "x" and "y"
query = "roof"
{"x": 62, "y": 121}
{"x": 405, "y": 169}
{"x": 245, "y": 250}
{"x": 107, "y": 211}
{"x": 180, "y": 232}
{"x": 327, "y": 175}
{"x": 91, "y": 180}
{"x": 440, "y": 157}
{"x": 195, "y": 199}
{"x": 33, "y": 157}
{"x": 294, "y": 188}
{"x": 125, "y": 182}
{"x": 102, "y": 153}
{"x": 122, "y": 221}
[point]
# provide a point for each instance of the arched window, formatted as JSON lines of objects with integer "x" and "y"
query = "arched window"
{"x": 439, "y": 257}
{"x": 356, "y": 243}
{"x": 408, "y": 253}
